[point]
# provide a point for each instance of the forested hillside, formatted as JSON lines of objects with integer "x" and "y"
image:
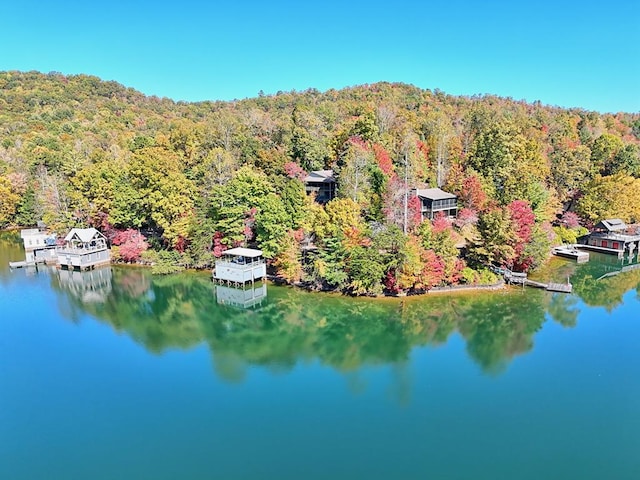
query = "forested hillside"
{"x": 193, "y": 178}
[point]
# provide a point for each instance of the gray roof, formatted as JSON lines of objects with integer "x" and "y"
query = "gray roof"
{"x": 434, "y": 194}
{"x": 243, "y": 252}
{"x": 320, "y": 176}
{"x": 612, "y": 224}
{"x": 83, "y": 234}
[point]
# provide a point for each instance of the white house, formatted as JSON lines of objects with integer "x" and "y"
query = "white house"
{"x": 240, "y": 265}
{"x": 39, "y": 245}
{"x": 84, "y": 248}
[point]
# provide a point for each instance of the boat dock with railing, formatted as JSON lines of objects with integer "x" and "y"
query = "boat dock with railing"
{"x": 520, "y": 278}
{"x": 84, "y": 249}
{"x": 239, "y": 266}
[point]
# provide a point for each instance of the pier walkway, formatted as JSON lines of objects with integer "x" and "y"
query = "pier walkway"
{"x": 517, "y": 278}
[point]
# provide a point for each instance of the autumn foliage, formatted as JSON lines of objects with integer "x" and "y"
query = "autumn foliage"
{"x": 132, "y": 244}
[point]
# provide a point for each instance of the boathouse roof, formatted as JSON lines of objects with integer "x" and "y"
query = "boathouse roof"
{"x": 611, "y": 224}
{"x": 434, "y": 194}
{"x": 243, "y": 252}
{"x": 82, "y": 234}
{"x": 320, "y": 176}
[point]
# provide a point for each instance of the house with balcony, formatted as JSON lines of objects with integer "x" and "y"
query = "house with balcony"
{"x": 239, "y": 266}
{"x": 322, "y": 184}
{"x": 83, "y": 249}
{"x": 433, "y": 201}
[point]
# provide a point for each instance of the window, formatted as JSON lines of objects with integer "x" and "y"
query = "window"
{"x": 604, "y": 244}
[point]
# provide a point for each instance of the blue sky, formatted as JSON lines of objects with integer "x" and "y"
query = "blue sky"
{"x": 567, "y": 53}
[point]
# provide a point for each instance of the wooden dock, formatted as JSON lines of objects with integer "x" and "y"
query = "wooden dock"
{"x": 517, "y": 278}
{"x": 560, "y": 287}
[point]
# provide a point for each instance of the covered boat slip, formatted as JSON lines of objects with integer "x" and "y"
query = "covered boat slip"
{"x": 239, "y": 266}
{"x": 613, "y": 237}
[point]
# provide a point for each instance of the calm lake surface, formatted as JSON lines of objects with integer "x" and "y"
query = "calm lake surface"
{"x": 115, "y": 374}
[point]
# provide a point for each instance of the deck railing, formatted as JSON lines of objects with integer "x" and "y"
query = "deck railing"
{"x": 239, "y": 266}
{"x": 79, "y": 250}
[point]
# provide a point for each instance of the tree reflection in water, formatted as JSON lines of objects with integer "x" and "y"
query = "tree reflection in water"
{"x": 292, "y": 326}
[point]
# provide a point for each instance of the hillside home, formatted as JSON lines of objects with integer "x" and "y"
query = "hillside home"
{"x": 322, "y": 183}
{"x": 434, "y": 200}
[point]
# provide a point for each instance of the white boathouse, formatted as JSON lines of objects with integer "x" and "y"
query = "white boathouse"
{"x": 239, "y": 266}
{"x": 39, "y": 246}
{"x": 84, "y": 248}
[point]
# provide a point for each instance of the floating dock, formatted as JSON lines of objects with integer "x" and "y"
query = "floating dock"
{"x": 570, "y": 251}
{"x": 609, "y": 251}
{"x": 21, "y": 264}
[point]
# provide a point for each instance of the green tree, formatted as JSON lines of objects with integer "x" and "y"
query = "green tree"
{"x": 603, "y": 153}
{"x": 366, "y": 271}
{"x": 497, "y": 238}
{"x": 272, "y": 224}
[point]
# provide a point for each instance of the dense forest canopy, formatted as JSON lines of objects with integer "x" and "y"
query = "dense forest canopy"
{"x": 190, "y": 179}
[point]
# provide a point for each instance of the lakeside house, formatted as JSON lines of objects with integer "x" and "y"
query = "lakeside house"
{"x": 612, "y": 236}
{"x": 434, "y": 201}
{"x": 84, "y": 248}
{"x": 322, "y": 183}
{"x": 39, "y": 245}
{"x": 239, "y": 266}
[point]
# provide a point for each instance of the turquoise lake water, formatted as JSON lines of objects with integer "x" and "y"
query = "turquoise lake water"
{"x": 115, "y": 374}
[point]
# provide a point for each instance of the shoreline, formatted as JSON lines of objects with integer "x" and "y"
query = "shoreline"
{"x": 275, "y": 280}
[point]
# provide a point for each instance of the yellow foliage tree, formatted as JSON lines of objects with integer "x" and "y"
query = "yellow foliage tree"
{"x": 8, "y": 201}
{"x": 614, "y": 196}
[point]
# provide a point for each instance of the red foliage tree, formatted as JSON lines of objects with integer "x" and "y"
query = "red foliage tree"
{"x": 523, "y": 220}
{"x": 132, "y": 244}
{"x": 433, "y": 271}
{"x": 415, "y": 212}
{"x": 473, "y": 195}
{"x": 181, "y": 244}
{"x": 466, "y": 216}
{"x": 293, "y": 170}
{"x": 393, "y": 205}
{"x": 570, "y": 220}
{"x": 383, "y": 159}
{"x": 441, "y": 223}
{"x": 218, "y": 246}
{"x": 391, "y": 282}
